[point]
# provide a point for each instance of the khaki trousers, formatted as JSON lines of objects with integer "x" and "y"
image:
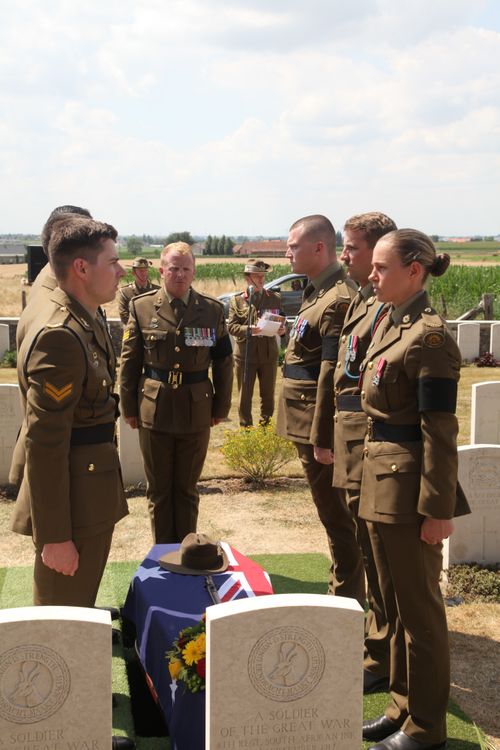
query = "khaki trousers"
{"x": 173, "y": 464}
{"x": 347, "y": 576}
{"x": 408, "y": 572}
{"x": 377, "y": 633}
{"x": 266, "y": 373}
{"x": 80, "y": 590}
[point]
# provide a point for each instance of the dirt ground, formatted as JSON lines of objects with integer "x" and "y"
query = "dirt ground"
{"x": 280, "y": 519}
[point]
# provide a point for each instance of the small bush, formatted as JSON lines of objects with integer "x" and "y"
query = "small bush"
{"x": 257, "y": 452}
{"x": 474, "y": 583}
{"x": 9, "y": 359}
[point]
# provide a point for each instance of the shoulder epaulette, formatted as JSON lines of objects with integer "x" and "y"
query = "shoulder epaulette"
{"x": 432, "y": 319}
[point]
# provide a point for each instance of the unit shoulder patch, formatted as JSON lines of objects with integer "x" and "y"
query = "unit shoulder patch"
{"x": 434, "y": 339}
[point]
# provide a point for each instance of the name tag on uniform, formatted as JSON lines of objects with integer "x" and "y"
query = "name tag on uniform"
{"x": 200, "y": 336}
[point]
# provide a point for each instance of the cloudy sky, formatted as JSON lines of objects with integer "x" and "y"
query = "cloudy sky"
{"x": 239, "y": 116}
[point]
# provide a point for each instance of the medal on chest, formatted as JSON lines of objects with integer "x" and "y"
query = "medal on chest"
{"x": 299, "y": 327}
{"x": 380, "y": 371}
{"x": 200, "y": 336}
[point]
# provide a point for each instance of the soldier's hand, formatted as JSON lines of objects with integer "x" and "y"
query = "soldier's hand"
{"x": 434, "y": 530}
{"x": 255, "y": 330}
{"x": 132, "y": 422}
{"x": 323, "y": 455}
{"x": 61, "y": 557}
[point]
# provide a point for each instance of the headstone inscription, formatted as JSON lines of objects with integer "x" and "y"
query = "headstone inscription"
{"x": 285, "y": 671}
{"x": 55, "y": 679}
{"x": 10, "y": 420}
{"x": 476, "y": 537}
{"x": 485, "y": 413}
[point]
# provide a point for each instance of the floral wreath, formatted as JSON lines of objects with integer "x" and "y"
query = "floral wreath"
{"x": 187, "y": 657}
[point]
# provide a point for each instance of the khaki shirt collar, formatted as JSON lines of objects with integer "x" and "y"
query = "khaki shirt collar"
{"x": 398, "y": 313}
{"x": 185, "y": 298}
{"x": 324, "y": 275}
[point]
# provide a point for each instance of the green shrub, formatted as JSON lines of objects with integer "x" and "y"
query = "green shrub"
{"x": 474, "y": 583}
{"x": 257, "y": 452}
{"x": 9, "y": 359}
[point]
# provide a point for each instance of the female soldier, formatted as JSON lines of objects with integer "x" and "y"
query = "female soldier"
{"x": 409, "y": 485}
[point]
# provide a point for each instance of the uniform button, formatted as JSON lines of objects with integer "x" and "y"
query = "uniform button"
{"x": 336, "y": 419}
{"x": 177, "y": 348}
{"x": 370, "y": 365}
{"x": 104, "y": 382}
{"x": 362, "y": 394}
{"x": 177, "y": 333}
{"x": 302, "y": 397}
{"x": 394, "y": 467}
{"x": 176, "y": 366}
{"x": 428, "y": 310}
{"x": 175, "y": 386}
{"x": 369, "y": 420}
{"x": 365, "y": 451}
{"x": 339, "y": 364}
{"x": 406, "y": 318}
{"x": 142, "y": 390}
{"x": 343, "y": 339}
{"x": 91, "y": 467}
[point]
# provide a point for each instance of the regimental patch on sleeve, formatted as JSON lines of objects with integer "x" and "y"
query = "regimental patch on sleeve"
{"x": 434, "y": 339}
{"x": 58, "y": 394}
{"x": 126, "y": 334}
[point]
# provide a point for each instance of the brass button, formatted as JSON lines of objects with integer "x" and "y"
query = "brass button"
{"x": 428, "y": 310}
{"x": 339, "y": 364}
{"x": 394, "y": 467}
{"x": 177, "y": 333}
{"x": 406, "y": 318}
{"x": 176, "y": 366}
{"x": 302, "y": 397}
{"x": 177, "y": 348}
{"x": 336, "y": 419}
{"x": 142, "y": 390}
{"x": 370, "y": 365}
{"x": 365, "y": 451}
{"x": 362, "y": 394}
{"x": 104, "y": 382}
{"x": 343, "y": 339}
{"x": 91, "y": 467}
{"x": 370, "y": 420}
{"x": 175, "y": 386}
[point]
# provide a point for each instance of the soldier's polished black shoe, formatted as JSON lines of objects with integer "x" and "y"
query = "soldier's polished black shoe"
{"x": 119, "y": 742}
{"x": 379, "y": 729}
{"x": 400, "y": 741}
{"x": 374, "y": 684}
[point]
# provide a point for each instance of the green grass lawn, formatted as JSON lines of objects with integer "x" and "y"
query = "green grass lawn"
{"x": 289, "y": 574}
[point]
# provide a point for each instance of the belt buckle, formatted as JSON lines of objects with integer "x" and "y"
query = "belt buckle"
{"x": 174, "y": 378}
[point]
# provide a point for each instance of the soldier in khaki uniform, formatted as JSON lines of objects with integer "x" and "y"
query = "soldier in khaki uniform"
{"x": 361, "y": 233}
{"x": 141, "y": 285}
{"x": 409, "y": 485}
{"x": 71, "y": 493}
{"x": 172, "y": 338}
{"x": 255, "y": 355}
{"x": 305, "y": 409}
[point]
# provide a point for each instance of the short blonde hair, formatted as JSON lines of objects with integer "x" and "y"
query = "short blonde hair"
{"x": 182, "y": 248}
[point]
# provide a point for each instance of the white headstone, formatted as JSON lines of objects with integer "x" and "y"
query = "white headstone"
{"x": 485, "y": 413}
{"x": 130, "y": 454}
{"x": 11, "y": 418}
{"x": 468, "y": 340}
{"x": 495, "y": 340}
{"x": 476, "y": 537}
{"x": 55, "y": 678}
{"x": 4, "y": 339}
{"x": 285, "y": 671}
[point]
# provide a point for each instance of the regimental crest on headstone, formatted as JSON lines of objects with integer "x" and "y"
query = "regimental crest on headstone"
{"x": 55, "y": 679}
{"x": 285, "y": 666}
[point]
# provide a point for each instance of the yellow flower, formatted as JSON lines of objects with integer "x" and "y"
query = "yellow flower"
{"x": 201, "y": 644}
{"x": 190, "y": 653}
{"x": 174, "y": 667}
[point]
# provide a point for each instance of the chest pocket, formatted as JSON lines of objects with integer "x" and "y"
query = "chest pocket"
{"x": 152, "y": 337}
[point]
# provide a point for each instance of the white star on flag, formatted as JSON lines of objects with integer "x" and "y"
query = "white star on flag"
{"x": 144, "y": 573}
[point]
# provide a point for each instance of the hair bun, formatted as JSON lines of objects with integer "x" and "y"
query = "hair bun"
{"x": 440, "y": 264}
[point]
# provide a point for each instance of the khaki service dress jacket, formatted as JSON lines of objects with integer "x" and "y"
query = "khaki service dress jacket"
{"x": 71, "y": 484}
{"x": 409, "y": 392}
{"x": 350, "y": 419}
{"x": 261, "y": 349}
{"x": 128, "y": 292}
{"x": 305, "y": 410}
{"x": 162, "y": 357}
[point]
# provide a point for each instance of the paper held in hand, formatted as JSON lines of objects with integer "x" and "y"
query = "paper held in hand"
{"x": 270, "y": 323}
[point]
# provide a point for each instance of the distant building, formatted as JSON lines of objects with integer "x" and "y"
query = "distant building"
{"x": 261, "y": 248}
{"x": 12, "y": 252}
{"x": 457, "y": 239}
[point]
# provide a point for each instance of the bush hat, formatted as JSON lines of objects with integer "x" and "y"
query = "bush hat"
{"x": 257, "y": 266}
{"x": 141, "y": 263}
{"x": 198, "y": 555}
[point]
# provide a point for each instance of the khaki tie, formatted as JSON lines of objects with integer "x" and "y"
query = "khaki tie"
{"x": 308, "y": 291}
{"x": 177, "y": 306}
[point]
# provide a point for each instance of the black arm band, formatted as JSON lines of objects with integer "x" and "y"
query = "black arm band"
{"x": 437, "y": 394}
{"x": 222, "y": 348}
{"x": 330, "y": 348}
